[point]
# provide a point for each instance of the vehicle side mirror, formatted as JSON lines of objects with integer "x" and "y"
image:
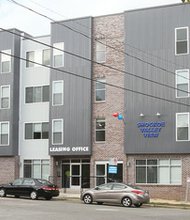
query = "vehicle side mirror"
{"x": 97, "y": 188}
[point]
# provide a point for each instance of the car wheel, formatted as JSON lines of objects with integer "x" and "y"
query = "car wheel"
{"x": 126, "y": 202}
{"x": 87, "y": 199}
{"x": 2, "y": 193}
{"x": 48, "y": 197}
{"x": 138, "y": 205}
{"x": 33, "y": 195}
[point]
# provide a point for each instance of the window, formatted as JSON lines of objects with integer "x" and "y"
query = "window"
{"x": 57, "y": 90}
{"x": 100, "y": 90}
{"x": 118, "y": 186}
{"x": 58, "y": 54}
{"x": 6, "y": 61}
{"x": 182, "y": 126}
{"x": 100, "y": 130}
{"x": 100, "y": 174}
{"x": 155, "y": 171}
{"x": 103, "y": 175}
{"x": 57, "y": 131}
{"x": 182, "y": 83}
{"x": 46, "y": 57}
{"x": 36, "y": 169}
{"x": 146, "y": 171}
{"x": 105, "y": 187}
{"x": 181, "y": 41}
{"x": 101, "y": 51}
{"x": 4, "y": 133}
{"x": 37, "y": 130}
{"x": 28, "y": 182}
{"x": 5, "y": 97}
{"x": 17, "y": 182}
{"x": 29, "y": 57}
{"x": 37, "y": 94}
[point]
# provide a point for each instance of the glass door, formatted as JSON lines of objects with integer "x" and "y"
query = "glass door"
{"x": 75, "y": 175}
{"x": 66, "y": 175}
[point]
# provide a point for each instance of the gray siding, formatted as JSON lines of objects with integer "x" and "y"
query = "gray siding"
{"x": 153, "y": 31}
{"x": 10, "y": 41}
{"x": 76, "y": 111}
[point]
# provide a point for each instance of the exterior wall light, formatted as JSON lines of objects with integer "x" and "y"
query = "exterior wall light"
{"x": 141, "y": 115}
{"x": 158, "y": 114}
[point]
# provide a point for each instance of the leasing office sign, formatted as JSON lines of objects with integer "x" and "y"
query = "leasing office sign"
{"x": 70, "y": 149}
{"x": 151, "y": 129}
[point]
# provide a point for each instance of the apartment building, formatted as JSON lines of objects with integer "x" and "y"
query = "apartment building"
{"x": 59, "y": 93}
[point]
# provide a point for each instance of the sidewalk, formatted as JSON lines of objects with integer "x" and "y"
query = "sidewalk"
{"x": 169, "y": 203}
{"x": 153, "y": 202}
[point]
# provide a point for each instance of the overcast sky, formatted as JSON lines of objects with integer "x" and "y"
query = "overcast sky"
{"x": 13, "y": 16}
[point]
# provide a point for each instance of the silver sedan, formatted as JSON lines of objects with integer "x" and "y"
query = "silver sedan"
{"x": 116, "y": 193}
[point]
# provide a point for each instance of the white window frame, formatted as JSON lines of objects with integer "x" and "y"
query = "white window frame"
{"x": 105, "y": 163}
{"x": 62, "y": 130}
{"x": 43, "y": 52}
{"x": 57, "y": 52}
{"x": 4, "y": 86}
{"x": 176, "y": 29}
{"x": 176, "y": 84}
{"x": 103, "y": 81}
{"x": 100, "y": 120}
{"x": 53, "y": 86}
{"x": 183, "y": 113}
{"x": 103, "y": 43}
{"x": 4, "y": 122}
{"x": 6, "y": 58}
{"x": 28, "y": 60}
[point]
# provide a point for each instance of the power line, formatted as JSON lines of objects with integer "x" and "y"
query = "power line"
{"x": 86, "y": 36}
{"x": 96, "y": 62}
{"x": 128, "y": 45}
{"x": 94, "y": 80}
{"x": 89, "y": 60}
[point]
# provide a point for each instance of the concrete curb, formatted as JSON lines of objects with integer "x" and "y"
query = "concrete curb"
{"x": 153, "y": 203}
{"x": 169, "y": 205}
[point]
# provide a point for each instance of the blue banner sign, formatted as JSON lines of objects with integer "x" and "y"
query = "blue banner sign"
{"x": 112, "y": 169}
{"x": 151, "y": 129}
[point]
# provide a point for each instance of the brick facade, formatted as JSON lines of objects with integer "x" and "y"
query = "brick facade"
{"x": 112, "y": 29}
{"x": 9, "y": 167}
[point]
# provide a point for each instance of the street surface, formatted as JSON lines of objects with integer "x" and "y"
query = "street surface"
{"x": 26, "y": 209}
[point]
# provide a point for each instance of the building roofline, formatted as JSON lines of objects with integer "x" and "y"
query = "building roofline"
{"x": 113, "y": 14}
{"x": 156, "y": 7}
{"x": 71, "y": 19}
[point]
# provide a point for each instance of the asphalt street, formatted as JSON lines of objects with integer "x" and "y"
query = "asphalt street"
{"x": 22, "y": 209}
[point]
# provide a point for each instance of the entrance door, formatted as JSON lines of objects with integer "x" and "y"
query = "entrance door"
{"x": 75, "y": 175}
{"x": 66, "y": 175}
